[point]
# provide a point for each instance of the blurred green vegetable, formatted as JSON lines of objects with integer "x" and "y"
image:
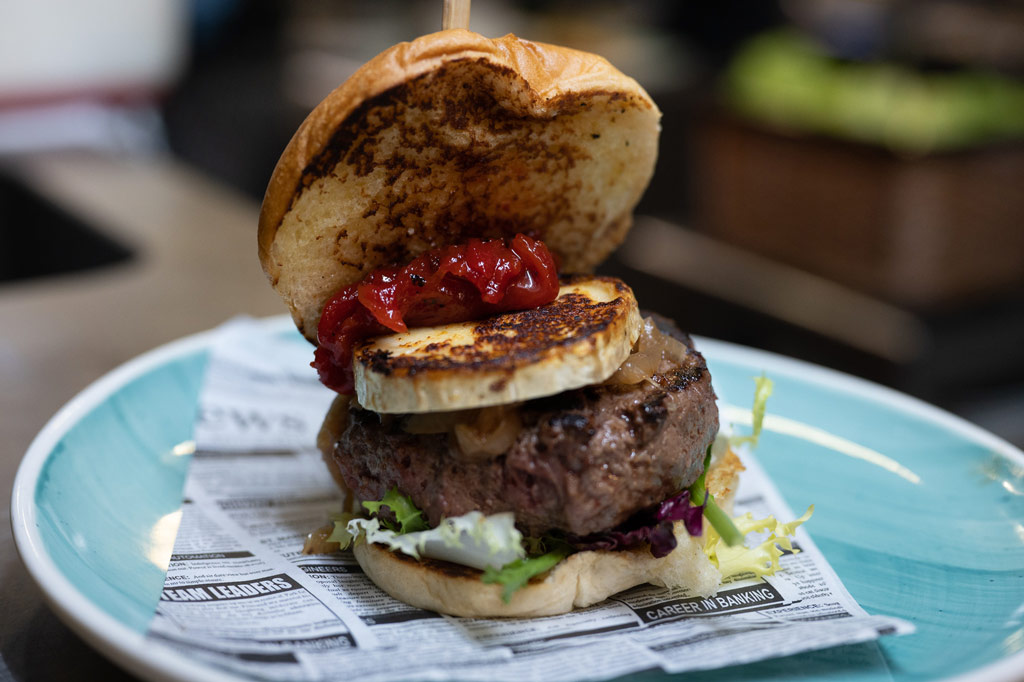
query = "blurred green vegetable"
{"x": 783, "y": 79}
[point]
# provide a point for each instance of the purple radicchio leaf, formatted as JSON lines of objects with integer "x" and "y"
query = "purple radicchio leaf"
{"x": 652, "y": 526}
{"x": 662, "y": 539}
{"x": 678, "y": 508}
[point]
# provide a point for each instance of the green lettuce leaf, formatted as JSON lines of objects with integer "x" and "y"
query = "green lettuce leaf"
{"x": 516, "y": 574}
{"x": 409, "y": 517}
{"x": 340, "y": 533}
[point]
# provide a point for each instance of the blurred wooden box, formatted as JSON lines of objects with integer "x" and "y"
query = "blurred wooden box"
{"x": 925, "y": 232}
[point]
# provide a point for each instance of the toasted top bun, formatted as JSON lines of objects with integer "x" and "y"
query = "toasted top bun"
{"x": 583, "y": 579}
{"x": 452, "y": 136}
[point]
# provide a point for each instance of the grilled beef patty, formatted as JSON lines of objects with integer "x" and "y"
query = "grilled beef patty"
{"x": 584, "y": 461}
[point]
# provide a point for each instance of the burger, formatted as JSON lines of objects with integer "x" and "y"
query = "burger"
{"x": 516, "y": 437}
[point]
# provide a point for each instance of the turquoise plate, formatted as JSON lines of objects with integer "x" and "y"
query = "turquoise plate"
{"x": 920, "y": 513}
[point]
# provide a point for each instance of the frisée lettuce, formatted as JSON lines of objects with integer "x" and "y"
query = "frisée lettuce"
{"x": 763, "y": 387}
{"x": 725, "y": 541}
{"x": 736, "y": 561}
{"x": 472, "y": 539}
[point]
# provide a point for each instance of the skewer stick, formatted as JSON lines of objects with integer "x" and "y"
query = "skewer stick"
{"x": 456, "y": 14}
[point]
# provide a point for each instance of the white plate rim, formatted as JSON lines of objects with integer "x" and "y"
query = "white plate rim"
{"x": 132, "y": 651}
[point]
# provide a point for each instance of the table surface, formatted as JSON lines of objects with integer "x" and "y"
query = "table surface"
{"x": 195, "y": 263}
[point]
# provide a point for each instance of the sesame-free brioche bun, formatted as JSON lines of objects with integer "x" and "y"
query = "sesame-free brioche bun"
{"x": 452, "y": 136}
{"x": 583, "y": 579}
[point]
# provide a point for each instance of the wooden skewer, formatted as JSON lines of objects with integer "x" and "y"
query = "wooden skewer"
{"x": 456, "y": 14}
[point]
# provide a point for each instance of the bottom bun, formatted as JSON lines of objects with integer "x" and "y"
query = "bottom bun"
{"x": 583, "y": 579}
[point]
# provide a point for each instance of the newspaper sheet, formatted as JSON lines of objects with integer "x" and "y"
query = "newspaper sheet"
{"x": 240, "y": 595}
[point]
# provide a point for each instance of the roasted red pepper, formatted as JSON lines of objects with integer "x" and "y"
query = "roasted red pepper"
{"x": 450, "y": 284}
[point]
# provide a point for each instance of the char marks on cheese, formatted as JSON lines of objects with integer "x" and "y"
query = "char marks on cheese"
{"x": 507, "y": 340}
{"x": 580, "y": 338}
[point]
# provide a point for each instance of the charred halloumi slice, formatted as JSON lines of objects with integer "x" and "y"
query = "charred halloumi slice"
{"x": 578, "y": 339}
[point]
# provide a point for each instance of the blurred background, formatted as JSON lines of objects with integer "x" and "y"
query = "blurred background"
{"x": 839, "y": 180}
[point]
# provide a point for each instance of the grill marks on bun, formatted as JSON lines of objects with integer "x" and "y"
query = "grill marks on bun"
{"x": 449, "y": 137}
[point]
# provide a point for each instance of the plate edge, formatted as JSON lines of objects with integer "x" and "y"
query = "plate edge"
{"x": 120, "y": 643}
{"x": 108, "y": 635}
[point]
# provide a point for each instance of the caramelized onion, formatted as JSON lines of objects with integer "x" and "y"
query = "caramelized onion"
{"x": 476, "y": 434}
{"x": 650, "y": 350}
{"x": 493, "y": 432}
{"x": 316, "y": 542}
